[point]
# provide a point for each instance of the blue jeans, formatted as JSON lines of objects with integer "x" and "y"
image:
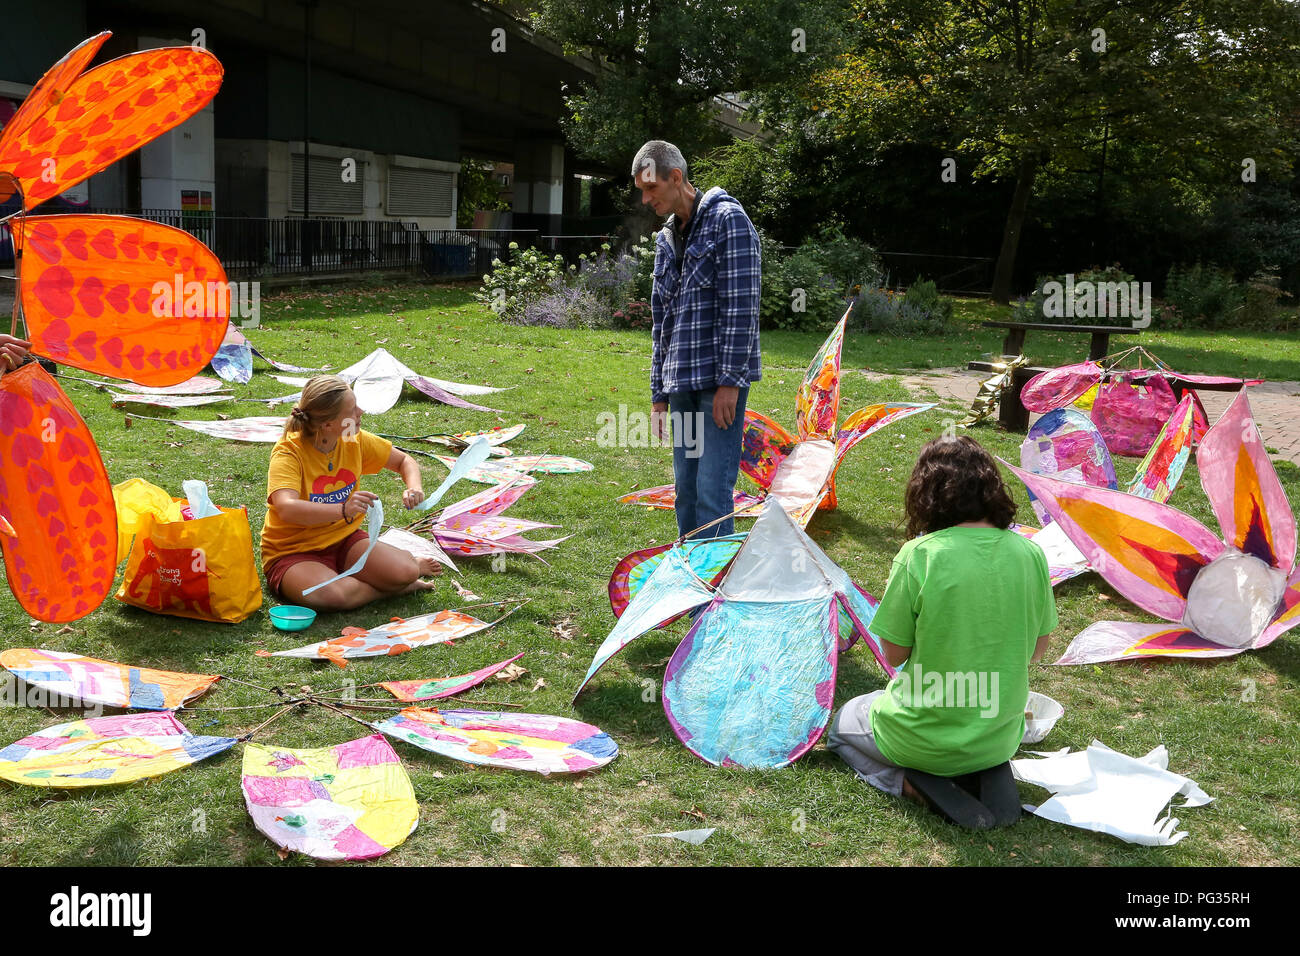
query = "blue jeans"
{"x": 706, "y": 461}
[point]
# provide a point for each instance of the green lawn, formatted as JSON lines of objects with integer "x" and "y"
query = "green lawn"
{"x": 1244, "y": 753}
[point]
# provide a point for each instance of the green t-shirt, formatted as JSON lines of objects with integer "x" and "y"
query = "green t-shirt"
{"x": 971, "y": 603}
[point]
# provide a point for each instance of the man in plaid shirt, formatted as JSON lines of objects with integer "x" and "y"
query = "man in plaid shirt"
{"x": 705, "y": 332}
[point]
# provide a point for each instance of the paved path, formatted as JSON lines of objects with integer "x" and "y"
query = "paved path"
{"x": 1276, "y": 405}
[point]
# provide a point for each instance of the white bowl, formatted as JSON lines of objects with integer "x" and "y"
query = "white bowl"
{"x": 1046, "y": 713}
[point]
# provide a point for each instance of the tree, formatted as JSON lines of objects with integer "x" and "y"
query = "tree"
{"x": 1012, "y": 87}
{"x": 476, "y": 190}
{"x": 661, "y": 62}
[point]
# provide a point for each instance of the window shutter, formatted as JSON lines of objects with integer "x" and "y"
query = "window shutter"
{"x": 330, "y": 195}
{"x": 418, "y": 192}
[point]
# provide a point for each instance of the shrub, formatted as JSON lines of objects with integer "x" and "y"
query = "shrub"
{"x": 1034, "y": 307}
{"x": 919, "y": 311}
{"x": 528, "y": 276}
{"x": 564, "y": 305}
{"x": 634, "y": 315}
{"x": 807, "y": 289}
{"x": 1204, "y": 296}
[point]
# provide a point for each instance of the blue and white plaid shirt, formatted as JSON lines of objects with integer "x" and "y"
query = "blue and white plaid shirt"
{"x": 705, "y": 314}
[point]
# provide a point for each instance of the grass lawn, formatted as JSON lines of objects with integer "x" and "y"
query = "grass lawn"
{"x": 1242, "y": 752}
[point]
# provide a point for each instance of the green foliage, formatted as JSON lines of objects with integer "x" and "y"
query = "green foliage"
{"x": 662, "y": 63}
{"x": 476, "y": 189}
{"x": 529, "y": 274}
{"x": 808, "y": 288}
{"x": 919, "y": 311}
{"x": 1201, "y": 296}
{"x": 1034, "y": 308}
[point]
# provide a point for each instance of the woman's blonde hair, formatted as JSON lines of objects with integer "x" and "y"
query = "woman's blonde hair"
{"x": 321, "y": 400}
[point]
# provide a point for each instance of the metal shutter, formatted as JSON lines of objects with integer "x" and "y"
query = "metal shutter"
{"x": 418, "y": 192}
{"x": 330, "y": 195}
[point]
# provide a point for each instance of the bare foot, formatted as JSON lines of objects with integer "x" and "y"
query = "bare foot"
{"x": 420, "y": 585}
{"x": 429, "y": 568}
{"x": 911, "y": 793}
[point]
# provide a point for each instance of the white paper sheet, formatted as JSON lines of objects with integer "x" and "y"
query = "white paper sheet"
{"x": 1105, "y": 791}
{"x": 375, "y": 521}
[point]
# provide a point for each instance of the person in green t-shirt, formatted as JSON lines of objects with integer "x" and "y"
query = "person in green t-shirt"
{"x": 967, "y": 608}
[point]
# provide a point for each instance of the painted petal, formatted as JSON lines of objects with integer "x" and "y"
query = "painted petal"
{"x": 59, "y": 500}
{"x": 1060, "y": 386}
{"x": 870, "y": 419}
{"x": 818, "y": 398}
{"x": 490, "y": 501}
{"x": 105, "y": 114}
{"x": 88, "y": 294}
{"x": 763, "y": 445}
{"x": 708, "y": 557}
{"x": 51, "y": 87}
{"x": 1161, "y": 470}
{"x": 1149, "y": 552}
{"x": 752, "y": 683}
{"x": 1243, "y": 489}
{"x": 1115, "y": 641}
{"x": 1288, "y": 617}
{"x": 431, "y": 388}
{"x": 670, "y": 591}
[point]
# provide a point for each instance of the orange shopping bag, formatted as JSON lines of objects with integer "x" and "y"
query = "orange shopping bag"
{"x": 202, "y": 569}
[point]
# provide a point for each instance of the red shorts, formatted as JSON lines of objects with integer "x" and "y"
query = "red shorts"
{"x": 332, "y": 557}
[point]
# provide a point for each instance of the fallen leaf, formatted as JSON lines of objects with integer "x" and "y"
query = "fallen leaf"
{"x": 510, "y": 673}
{"x": 565, "y": 629}
{"x": 282, "y": 853}
{"x": 538, "y": 686}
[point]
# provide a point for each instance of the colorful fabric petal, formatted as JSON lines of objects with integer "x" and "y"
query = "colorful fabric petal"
{"x": 752, "y": 683}
{"x": 1161, "y": 470}
{"x": 763, "y": 445}
{"x": 102, "y": 751}
{"x": 412, "y": 691}
{"x": 817, "y": 403}
{"x": 1065, "y": 444}
{"x": 670, "y": 591}
{"x": 353, "y": 801}
{"x": 87, "y": 680}
{"x": 708, "y": 558}
{"x": 57, "y": 496}
{"x": 1288, "y": 615}
{"x": 87, "y": 124}
{"x": 1244, "y": 490}
{"x": 1116, "y": 641}
{"x": 536, "y": 742}
{"x": 1147, "y": 551}
{"x": 1059, "y": 387}
{"x": 397, "y": 637}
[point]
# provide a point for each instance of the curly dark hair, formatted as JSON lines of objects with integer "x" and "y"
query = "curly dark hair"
{"x": 956, "y": 480}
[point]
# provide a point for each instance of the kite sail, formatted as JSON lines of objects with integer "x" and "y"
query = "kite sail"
{"x": 86, "y": 680}
{"x": 536, "y": 742}
{"x": 414, "y": 691}
{"x": 1225, "y": 594}
{"x": 398, "y": 637}
{"x": 665, "y": 496}
{"x": 257, "y": 429}
{"x": 106, "y": 750}
{"x": 378, "y": 378}
{"x": 57, "y": 496}
{"x": 708, "y": 559}
{"x": 353, "y": 801}
{"x": 503, "y": 469}
{"x": 118, "y": 296}
{"x": 752, "y": 682}
{"x": 475, "y": 525}
{"x": 198, "y": 385}
{"x": 495, "y": 437}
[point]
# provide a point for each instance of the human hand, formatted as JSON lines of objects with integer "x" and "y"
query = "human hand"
{"x": 724, "y": 405}
{"x": 13, "y": 350}
{"x": 659, "y": 420}
{"x": 359, "y": 503}
{"x": 412, "y": 497}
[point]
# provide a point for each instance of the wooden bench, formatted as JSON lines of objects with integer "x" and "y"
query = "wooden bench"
{"x": 1099, "y": 348}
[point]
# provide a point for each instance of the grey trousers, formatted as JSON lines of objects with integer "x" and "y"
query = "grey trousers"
{"x": 850, "y": 739}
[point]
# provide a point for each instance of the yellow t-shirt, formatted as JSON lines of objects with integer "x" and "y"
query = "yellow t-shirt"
{"x": 298, "y": 466}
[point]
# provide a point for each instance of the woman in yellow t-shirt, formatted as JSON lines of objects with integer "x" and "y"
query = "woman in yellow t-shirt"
{"x": 314, "y": 526}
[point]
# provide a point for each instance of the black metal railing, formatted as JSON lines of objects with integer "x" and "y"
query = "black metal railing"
{"x": 259, "y": 248}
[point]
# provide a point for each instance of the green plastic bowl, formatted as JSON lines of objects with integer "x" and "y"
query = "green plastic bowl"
{"x": 288, "y": 617}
